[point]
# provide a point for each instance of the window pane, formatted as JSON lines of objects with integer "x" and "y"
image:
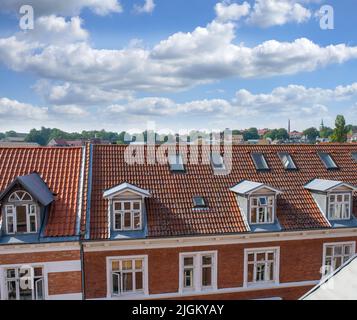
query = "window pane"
{"x": 127, "y": 265}
{"x": 206, "y": 260}
{"x": 206, "y": 276}
{"x": 338, "y": 262}
{"x": 188, "y": 261}
{"x": 348, "y": 249}
{"x": 11, "y": 290}
{"x": 329, "y": 251}
{"x": 253, "y": 215}
{"x": 127, "y": 220}
{"x": 39, "y": 289}
{"x": 137, "y": 219}
{"x": 188, "y": 278}
{"x": 338, "y": 250}
{"x": 261, "y": 256}
{"x": 21, "y": 219}
{"x": 251, "y": 273}
{"x": 127, "y": 282}
{"x": 33, "y": 224}
{"x": 116, "y": 282}
{"x": 138, "y": 264}
{"x": 126, "y": 205}
{"x": 260, "y": 276}
{"x": 136, "y": 205}
{"x": 10, "y": 224}
{"x": 117, "y": 206}
{"x": 38, "y": 272}
{"x": 139, "y": 281}
{"x": 251, "y": 257}
{"x": 115, "y": 266}
{"x": 117, "y": 222}
{"x": 10, "y": 273}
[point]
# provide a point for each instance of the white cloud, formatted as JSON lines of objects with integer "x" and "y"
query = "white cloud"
{"x": 69, "y": 110}
{"x": 63, "y": 7}
{"x": 54, "y": 30}
{"x": 13, "y": 109}
{"x": 267, "y": 13}
{"x": 226, "y": 11}
{"x": 147, "y": 7}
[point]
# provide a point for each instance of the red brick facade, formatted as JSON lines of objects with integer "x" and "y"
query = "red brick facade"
{"x": 300, "y": 260}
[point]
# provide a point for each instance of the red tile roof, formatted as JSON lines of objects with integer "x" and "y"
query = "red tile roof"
{"x": 60, "y": 168}
{"x": 170, "y": 210}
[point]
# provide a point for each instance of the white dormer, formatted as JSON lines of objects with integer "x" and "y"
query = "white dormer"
{"x": 334, "y": 198}
{"x": 126, "y": 206}
{"x": 257, "y": 202}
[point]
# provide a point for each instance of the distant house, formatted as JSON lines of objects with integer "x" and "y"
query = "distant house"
{"x": 75, "y": 143}
{"x": 237, "y": 139}
{"x": 352, "y": 137}
{"x": 18, "y": 141}
{"x": 263, "y": 132}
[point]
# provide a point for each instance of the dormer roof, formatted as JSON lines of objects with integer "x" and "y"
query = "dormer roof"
{"x": 123, "y": 188}
{"x": 34, "y": 185}
{"x": 322, "y": 185}
{"x": 246, "y": 187}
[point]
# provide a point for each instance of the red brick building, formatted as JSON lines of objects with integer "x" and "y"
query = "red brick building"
{"x": 260, "y": 224}
{"x": 262, "y": 228}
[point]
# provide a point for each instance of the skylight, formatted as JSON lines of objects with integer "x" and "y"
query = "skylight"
{"x": 176, "y": 163}
{"x": 354, "y": 156}
{"x": 259, "y": 161}
{"x": 287, "y": 161}
{"x": 327, "y": 160}
{"x": 199, "y": 202}
{"x": 217, "y": 161}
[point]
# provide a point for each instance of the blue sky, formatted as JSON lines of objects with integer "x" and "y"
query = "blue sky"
{"x": 201, "y": 64}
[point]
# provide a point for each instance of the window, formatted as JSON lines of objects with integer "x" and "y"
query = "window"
{"x": 339, "y": 206}
{"x": 176, "y": 163}
{"x": 217, "y": 161}
{"x": 287, "y": 161}
{"x": 259, "y": 161}
{"x": 127, "y": 215}
{"x": 354, "y": 156}
{"x": 327, "y": 160}
{"x": 21, "y": 214}
{"x": 261, "y": 266}
{"x": 127, "y": 276}
{"x": 336, "y": 254}
{"x": 24, "y": 283}
{"x": 199, "y": 202}
{"x": 262, "y": 209}
{"x": 198, "y": 271}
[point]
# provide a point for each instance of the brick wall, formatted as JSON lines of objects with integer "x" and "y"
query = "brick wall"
{"x": 300, "y": 260}
{"x": 58, "y": 282}
{"x": 64, "y": 282}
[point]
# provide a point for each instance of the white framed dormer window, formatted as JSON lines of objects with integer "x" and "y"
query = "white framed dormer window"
{"x": 261, "y": 266}
{"x": 198, "y": 271}
{"x": 262, "y": 209}
{"x": 24, "y": 283}
{"x": 21, "y": 213}
{"x": 339, "y": 206}
{"x": 127, "y": 215}
{"x": 127, "y": 276}
{"x": 336, "y": 254}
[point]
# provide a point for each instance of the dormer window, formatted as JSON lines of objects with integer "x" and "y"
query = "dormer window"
{"x": 126, "y": 207}
{"x": 262, "y": 209}
{"x": 21, "y": 213}
{"x": 127, "y": 215}
{"x": 354, "y": 156}
{"x": 334, "y": 199}
{"x": 339, "y": 206}
{"x": 257, "y": 203}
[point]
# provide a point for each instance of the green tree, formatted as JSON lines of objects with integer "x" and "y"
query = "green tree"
{"x": 326, "y": 132}
{"x": 2, "y": 135}
{"x": 251, "y": 134}
{"x": 340, "y": 132}
{"x": 311, "y": 134}
{"x": 11, "y": 133}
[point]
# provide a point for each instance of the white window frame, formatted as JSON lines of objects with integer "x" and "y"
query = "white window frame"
{"x": 257, "y": 207}
{"x": 262, "y": 284}
{"x": 132, "y": 215}
{"x": 197, "y": 271}
{"x": 129, "y": 295}
{"x": 336, "y": 204}
{"x": 14, "y": 217}
{"x": 335, "y": 244}
{"x": 3, "y": 282}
